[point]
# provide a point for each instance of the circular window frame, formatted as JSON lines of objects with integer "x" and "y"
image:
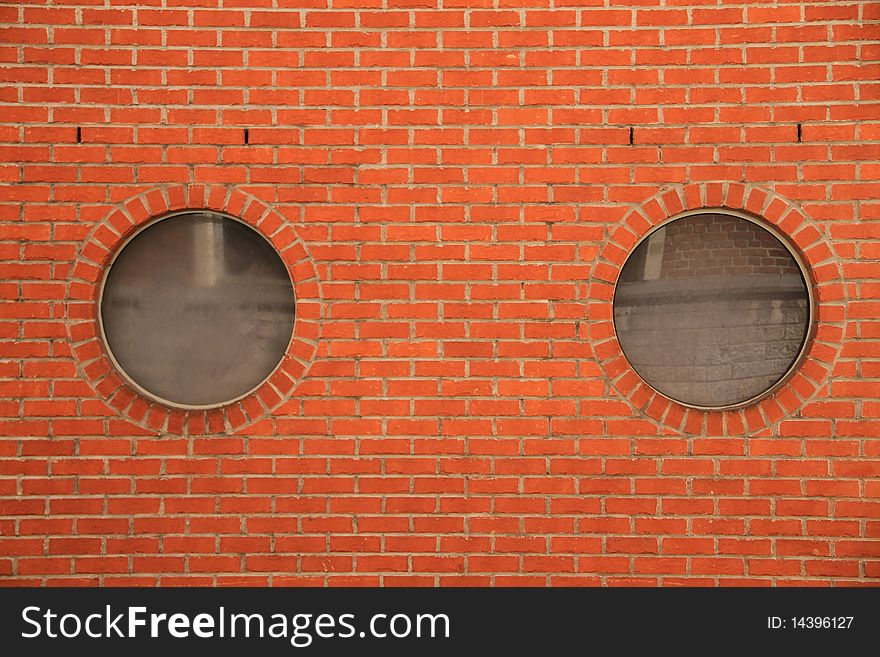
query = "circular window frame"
{"x": 811, "y": 379}
{"x": 87, "y": 343}
{"x": 809, "y": 333}
{"x": 108, "y": 267}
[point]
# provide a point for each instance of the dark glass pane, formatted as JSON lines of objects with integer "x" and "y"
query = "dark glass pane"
{"x": 198, "y": 309}
{"x": 711, "y": 310}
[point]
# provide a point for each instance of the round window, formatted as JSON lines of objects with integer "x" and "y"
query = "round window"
{"x": 712, "y": 310}
{"x": 197, "y": 309}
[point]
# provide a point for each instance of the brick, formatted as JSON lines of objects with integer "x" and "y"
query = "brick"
{"x": 454, "y": 191}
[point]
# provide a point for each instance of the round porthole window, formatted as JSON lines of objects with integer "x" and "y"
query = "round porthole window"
{"x": 713, "y": 310}
{"x": 197, "y": 309}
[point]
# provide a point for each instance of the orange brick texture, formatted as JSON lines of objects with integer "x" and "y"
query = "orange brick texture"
{"x": 454, "y": 187}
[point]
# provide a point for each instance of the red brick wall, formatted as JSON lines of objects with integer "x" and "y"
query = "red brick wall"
{"x": 455, "y": 188}
{"x": 721, "y": 246}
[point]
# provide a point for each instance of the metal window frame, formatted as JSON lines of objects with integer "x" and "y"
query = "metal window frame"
{"x": 106, "y": 343}
{"x": 809, "y": 333}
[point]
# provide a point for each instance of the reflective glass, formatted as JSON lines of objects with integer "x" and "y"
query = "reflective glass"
{"x": 711, "y": 310}
{"x": 198, "y": 309}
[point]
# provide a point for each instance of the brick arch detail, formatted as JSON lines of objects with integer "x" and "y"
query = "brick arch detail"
{"x": 829, "y": 314}
{"x": 83, "y": 291}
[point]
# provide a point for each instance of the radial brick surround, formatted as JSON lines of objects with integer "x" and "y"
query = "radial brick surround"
{"x": 90, "y": 350}
{"x": 454, "y": 187}
{"x": 823, "y": 344}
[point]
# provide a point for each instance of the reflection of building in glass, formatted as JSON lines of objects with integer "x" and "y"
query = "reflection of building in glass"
{"x": 206, "y": 242}
{"x": 198, "y": 309}
{"x": 711, "y": 309}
